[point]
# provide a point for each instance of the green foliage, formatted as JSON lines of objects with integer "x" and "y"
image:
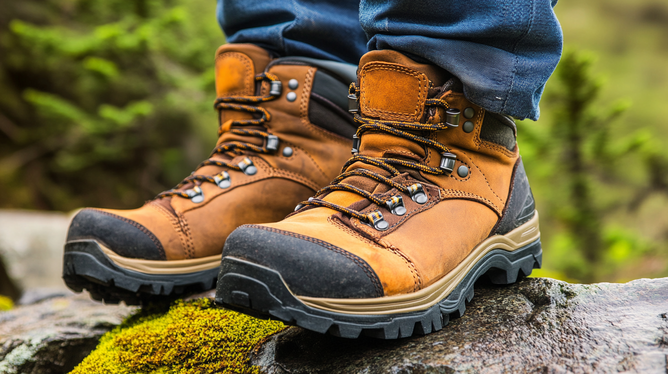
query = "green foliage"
{"x": 191, "y": 337}
{"x": 586, "y": 175}
{"x": 103, "y": 103}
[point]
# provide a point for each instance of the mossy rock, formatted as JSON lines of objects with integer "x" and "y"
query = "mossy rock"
{"x": 189, "y": 337}
{"x": 5, "y": 303}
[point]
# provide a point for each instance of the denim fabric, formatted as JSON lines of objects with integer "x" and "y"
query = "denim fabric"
{"x": 322, "y": 29}
{"x": 503, "y": 50}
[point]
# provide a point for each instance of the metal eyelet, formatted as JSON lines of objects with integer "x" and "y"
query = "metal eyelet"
{"x": 396, "y": 205}
{"x": 356, "y": 144}
{"x": 223, "y": 180}
{"x": 448, "y": 162}
{"x": 452, "y": 117}
{"x": 353, "y": 104}
{"x": 378, "y": 221}
{"x": 293, "y": 84}
{"x": 417, "y": 193}
{"x": 196, "y": 195}
{"x": 299, "y": 206}
{"x": 247, "y": 166}
{"x": 275, "y": 88}
{"x": 272, "y": 142}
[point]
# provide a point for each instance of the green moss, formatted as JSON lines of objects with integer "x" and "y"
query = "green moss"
{"x": 191, "y": 337}
{"x": 5, "y": 303}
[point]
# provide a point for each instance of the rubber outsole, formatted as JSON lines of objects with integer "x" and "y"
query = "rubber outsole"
{"x": 261, "y": 292}
{"x": 85, "y": 266}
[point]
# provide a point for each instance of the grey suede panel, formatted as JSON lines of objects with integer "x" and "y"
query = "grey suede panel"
{"x": 497, "y": 129}
{"x": 331, "y": 89}
{"x": 325, "y": 114}
{"x": 520, "y": 206}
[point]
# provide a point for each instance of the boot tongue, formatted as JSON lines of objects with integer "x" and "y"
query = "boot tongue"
{"x": 393, "y": 87}
{"x": 236, "y": 66}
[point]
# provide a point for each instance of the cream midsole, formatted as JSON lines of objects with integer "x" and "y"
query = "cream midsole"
{"x": 163, "y": 267}
{"x": 429, "y": 296}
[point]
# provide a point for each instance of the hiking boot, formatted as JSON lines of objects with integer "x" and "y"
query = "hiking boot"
{"x": 434, "y": 197}
{"x": 284, "y": 133}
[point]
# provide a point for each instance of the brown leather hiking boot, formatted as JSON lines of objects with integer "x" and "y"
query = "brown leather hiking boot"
{"x": 284, "y": 133}
{"x": 434, "y": 197}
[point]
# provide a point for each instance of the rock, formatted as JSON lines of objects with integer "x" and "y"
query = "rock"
{"x": 535, "y": 326}
{"x": 31, "y": 244}
{"x": 55, "y": 334}
{"x": 8, "y": 287}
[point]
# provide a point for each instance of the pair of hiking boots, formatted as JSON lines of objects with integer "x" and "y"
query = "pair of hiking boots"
{"x": 386, "y": 243}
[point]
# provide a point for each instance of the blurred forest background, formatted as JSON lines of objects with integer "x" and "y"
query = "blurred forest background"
{"x": 107, "y": 103}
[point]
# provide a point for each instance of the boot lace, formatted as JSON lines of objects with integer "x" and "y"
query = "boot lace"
{"x": 242, "y": 104}
{"x": 401, "y": 130}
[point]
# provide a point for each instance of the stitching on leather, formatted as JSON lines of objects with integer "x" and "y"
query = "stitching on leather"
{"x": 303, "y": 109}
{"x": 510, "y": 197}
{"x": 422, "y": 79}
{"x": 249, "y": 69}
{"x": 486, "y": 181}
{"x": 314, "y": 162}
{"x": 498, "y": 148}
{"x": 356, "y": 259}
{"x": 270, "y": 173}
{"x": 140, "y": 227}
{"x": 458, "y": 178}
{"x": 450, "y": 193}
{"x": 417, "y": 280}
{"x": 399, "y": 151}
{"x": 410, "y": 214}
{"x": 173, "y": 220}
{"x": 421, "y": 208}
{"x": 189, "y": 247}
{"x": 354, "y": 233}
{"x": 479, "y": 118}
{"x": 293, "y": 177}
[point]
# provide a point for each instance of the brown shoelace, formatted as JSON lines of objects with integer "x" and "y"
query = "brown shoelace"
{"x": 415, "y": 191}
{"x": 242, "y": 104}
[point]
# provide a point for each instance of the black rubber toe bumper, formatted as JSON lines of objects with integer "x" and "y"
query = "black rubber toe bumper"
{"x": 123, "y": 236}
{"x": 260, "y": 290}
{"x": 85, "y": 266}
{"x": 310, "y": 267}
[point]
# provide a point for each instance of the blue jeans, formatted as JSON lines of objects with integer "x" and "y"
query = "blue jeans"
{"x": 503, "y": 51}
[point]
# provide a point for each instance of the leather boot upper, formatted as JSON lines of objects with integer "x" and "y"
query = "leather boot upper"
{"x": 398, "y": 230}
{"x": 269, "y": 156}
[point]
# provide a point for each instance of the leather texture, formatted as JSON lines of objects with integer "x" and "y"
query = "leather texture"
{"x": 430, "y": 239}
{"x": 186, "y": 229}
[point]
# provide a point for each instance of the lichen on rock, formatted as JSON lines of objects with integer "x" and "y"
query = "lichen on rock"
{"x": 191, "y": 337}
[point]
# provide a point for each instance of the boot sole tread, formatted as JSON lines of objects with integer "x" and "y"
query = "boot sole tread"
{"x": 85, "y": 266}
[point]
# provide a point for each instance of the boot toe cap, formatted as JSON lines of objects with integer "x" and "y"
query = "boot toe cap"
{"x": 309, "y": 266}
{"x": 125, "y": 237}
